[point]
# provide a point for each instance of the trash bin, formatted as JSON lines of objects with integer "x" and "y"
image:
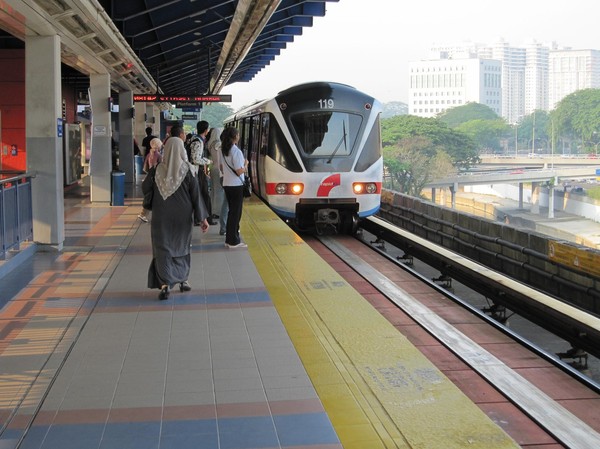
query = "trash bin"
{"x": 118, "y": 188}
{"x": 139, "y": 165}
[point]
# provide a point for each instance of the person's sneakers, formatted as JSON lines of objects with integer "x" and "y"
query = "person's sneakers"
{"x": 239, "y": 245}
{"x": 222, "y": 232}
{"x": 143, "y": 218}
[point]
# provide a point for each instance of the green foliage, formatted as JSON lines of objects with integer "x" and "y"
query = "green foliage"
{"x": 412, "y": 163}
{"x": 538, "y": 126}
{"x": 485, "y": 133}
{"x": 460, "y": 148}
{"x": 578, "y": 115}
{"x": 594, "y": 192}
{"x": 216, "y": 113}
{"x": 454, "y": 117}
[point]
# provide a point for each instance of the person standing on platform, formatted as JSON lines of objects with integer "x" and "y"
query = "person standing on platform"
{"x": 199, "y": 158}
{"x": 217, "y": 194}
{"x": 153, "y": 158}
{"x": 146, "y": 141}
{"x": 176, "y": 207}
{"x": 233, "y": 165}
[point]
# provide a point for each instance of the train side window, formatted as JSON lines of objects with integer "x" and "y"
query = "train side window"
{"x": 372, "y": 149}
{"x": 279, "y": 149}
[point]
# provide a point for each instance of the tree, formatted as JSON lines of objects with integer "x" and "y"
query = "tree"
{"x": 535, "y": 126}
{"x": 471, "y": 111}
{"x": 216, "y": 113}
{"x": 413, "y": 162}
{"x": 486, "y": 134}
{"x": 577, "y": 116}
{"x": 459, "y": 147}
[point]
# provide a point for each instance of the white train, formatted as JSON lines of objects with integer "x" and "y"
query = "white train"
{"x": 315, "y": 154}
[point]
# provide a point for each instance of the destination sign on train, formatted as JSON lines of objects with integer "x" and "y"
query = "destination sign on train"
{"x": 184, "y": 98}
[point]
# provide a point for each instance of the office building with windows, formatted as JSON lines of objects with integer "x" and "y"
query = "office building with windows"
{"x": 441, "y": 84}
{"x": 571, "y": 70}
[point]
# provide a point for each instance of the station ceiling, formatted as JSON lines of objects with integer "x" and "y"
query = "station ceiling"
{"x": 169, "y": 46}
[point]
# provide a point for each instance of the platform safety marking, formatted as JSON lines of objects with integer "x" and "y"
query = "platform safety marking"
{"x": 401, "y": 395}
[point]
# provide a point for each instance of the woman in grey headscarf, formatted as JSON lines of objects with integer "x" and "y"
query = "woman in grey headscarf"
{"x": 176, "y": 207}
{"x": 219, "y": 203}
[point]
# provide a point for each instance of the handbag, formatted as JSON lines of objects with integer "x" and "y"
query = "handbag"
{"x": 247, "y": 188}
{"x": 148, "y": 189}
{"x": 245, "y": 182}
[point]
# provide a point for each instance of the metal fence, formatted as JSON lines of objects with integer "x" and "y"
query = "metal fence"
{"x": 16, "y": 217}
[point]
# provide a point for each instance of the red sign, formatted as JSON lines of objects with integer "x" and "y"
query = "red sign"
{"x": 183, "y": 98}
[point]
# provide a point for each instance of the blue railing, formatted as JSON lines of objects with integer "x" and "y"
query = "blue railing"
{"x": 16, "y": 217}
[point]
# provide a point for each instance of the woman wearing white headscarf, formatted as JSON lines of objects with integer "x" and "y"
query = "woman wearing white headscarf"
{"x": 176, "y": 207}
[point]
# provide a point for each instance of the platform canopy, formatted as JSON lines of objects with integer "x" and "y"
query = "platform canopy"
{"x": 148, "y": 46}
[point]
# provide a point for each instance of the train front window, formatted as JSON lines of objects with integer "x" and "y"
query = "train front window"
{"x": 326, "y": 134}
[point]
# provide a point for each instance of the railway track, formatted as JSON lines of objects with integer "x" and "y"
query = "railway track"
{"x": 526, "y": 385}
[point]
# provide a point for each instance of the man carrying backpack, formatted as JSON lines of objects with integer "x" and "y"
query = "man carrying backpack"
{"x": 200, "y": 158}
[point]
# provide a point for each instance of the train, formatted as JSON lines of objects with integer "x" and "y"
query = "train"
{"x": 314, "y": 153}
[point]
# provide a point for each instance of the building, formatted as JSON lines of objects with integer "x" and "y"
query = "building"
{"x": 571, "y": 70}
{"x": 441, "y": 84}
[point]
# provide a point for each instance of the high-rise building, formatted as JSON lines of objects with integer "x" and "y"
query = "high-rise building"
{"x": 513, "y": 60}
{"x": 571, "y": 70}
{"x": 536, "y": 77}
{"x": 441, "y": 84}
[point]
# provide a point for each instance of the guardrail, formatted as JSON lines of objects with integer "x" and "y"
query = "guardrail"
{"x": 16, "y": 215}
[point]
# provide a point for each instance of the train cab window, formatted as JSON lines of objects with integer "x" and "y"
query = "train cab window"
{"x": 326, "y": 134}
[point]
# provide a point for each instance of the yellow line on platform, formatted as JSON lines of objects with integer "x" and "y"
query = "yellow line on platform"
{"x": 377, "y": 388}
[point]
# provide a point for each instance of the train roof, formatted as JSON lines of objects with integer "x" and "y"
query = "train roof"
{"x": 252, "y": 109}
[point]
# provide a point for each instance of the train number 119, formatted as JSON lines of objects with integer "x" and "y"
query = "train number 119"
{"x": 326, "y": 104}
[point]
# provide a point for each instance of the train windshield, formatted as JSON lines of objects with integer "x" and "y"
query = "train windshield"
{"x": 326, "y": 134}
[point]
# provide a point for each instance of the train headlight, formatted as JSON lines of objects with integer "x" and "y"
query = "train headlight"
{"x": 364, "y": 187}
{"x": 371, "y": 187}
{"x": 283, "y": 188}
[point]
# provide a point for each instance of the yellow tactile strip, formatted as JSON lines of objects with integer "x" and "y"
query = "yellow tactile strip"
{"x": 377, "y": 388}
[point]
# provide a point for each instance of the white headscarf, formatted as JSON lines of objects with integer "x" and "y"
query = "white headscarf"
{"x": 171, "y": 172}
{"x": 214, "y": 146}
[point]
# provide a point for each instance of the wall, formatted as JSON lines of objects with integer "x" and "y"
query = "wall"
{"x": 12, "y": 110}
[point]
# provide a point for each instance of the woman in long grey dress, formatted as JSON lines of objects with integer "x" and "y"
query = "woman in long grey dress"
{"x": 176, "y": 207}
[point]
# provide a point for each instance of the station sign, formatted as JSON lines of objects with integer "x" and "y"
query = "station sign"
{"x": 183, "y": 99}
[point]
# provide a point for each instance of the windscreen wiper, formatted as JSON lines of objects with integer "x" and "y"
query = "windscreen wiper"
{"x": 343, "y": 139}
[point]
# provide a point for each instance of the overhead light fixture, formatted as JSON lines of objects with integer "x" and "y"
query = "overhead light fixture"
{"x": 196, "y": 43}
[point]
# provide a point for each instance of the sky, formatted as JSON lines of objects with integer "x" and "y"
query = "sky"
{"x": 369, "y": 43}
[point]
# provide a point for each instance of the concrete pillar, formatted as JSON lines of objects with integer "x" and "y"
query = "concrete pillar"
{"x": 535, "y": 198}
{"x": 433, "y": 194}
{"x": 454, "y": 191}
{"x": 139, "y": 123}
{"x": 126, "y": 135}
{"x": 551, "y": 201}
{"x": 101, "y": 159}
{"x": 520, "y": 195}
{"x": 153, "y": 119}
{"x": 43, "y": 117}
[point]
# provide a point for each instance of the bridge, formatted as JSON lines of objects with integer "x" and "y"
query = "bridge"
{"x": 521, "y": 174}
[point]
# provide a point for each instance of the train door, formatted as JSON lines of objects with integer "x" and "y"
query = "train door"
{"x": 263, "y": 150}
